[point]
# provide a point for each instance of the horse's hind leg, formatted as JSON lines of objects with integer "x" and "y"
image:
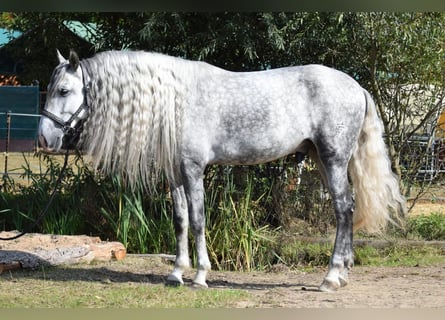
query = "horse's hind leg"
{"x": 335, "y": 172}
{"x": 181, "y": 222}
{"x": 194, "y": 191}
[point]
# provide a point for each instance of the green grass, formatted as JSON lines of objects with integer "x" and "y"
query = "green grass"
{"x": 299, "y": 254}
{"x": 122, "y": 284}
{"x": 399, "y": 256}
{"x": 74, "y": 294}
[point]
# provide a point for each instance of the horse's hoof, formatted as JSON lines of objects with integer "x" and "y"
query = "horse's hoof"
{"x": 174, "y": 281}
{"x": 199, "y": 285}
{"x": 329, "y": 286}
{"x": 170, "y": 283}
{"x": 343, "y": 281}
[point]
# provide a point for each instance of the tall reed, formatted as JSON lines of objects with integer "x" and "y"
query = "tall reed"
{"x": 237, "y": 239}
{"x": 142, "y": 224}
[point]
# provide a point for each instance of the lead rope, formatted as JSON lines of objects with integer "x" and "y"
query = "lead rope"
{"x": 48, "y": 205}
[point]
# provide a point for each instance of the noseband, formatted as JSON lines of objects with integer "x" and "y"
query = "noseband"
{"x": 72, "y": 133}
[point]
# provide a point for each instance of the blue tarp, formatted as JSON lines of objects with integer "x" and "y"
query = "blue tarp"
{"x": 23, "y": 103}
{"x": 7, "y": 35}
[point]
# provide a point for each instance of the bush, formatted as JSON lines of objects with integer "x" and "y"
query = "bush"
{"x": 428, "y": 227}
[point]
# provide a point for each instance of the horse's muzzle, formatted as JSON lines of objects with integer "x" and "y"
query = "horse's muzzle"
{"x": 42, "y": 142}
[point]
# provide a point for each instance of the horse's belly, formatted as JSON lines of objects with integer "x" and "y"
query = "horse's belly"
{"x": 253, "y": 151}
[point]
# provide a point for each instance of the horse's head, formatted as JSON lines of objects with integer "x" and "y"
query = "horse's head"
{"x": 65, "y": 107}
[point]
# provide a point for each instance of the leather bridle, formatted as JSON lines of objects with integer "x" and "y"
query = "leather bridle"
{"x": 72, "y": 133}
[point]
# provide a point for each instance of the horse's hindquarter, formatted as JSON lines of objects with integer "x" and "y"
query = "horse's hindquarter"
{"x": 254, "y": 117}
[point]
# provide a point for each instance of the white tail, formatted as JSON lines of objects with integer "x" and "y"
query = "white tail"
{"x": 377, "y": 191}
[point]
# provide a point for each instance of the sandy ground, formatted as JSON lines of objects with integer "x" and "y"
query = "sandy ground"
{"x": 381, "y": 287}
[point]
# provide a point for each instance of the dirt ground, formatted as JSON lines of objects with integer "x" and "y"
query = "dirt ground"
{"x": 382, "y": 287}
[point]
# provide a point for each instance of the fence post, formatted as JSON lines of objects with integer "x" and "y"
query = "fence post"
{"x": 8, "y": 137}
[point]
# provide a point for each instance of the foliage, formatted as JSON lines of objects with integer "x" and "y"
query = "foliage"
{"x": 236, "y": 41}
{"x": 25, "y": 202}
{"x": 242, "y": 234}
{"x": 404, "y": 54}
{"x": 34, "y": 53}
{"x": 117, "y": 30}
{"x": 428, "y": 227}
{"x": 243, "y": 210}
{"x": 398, "y": 57}
{"x": 90, "y": 203}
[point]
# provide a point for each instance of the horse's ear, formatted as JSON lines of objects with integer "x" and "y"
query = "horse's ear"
{"x": 60, "y": 57}
{"x": 74, "y": 60}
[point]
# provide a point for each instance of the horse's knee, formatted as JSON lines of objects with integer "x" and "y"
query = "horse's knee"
{"x": 197, "y": 223}
{"x": 343, "y": 207}
{"x": 181, "y": 224}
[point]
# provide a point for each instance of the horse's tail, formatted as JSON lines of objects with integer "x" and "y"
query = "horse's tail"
{"x": 377, "y": 191}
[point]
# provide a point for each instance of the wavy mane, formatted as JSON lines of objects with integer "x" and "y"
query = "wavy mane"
{"x": 136, "y": 101}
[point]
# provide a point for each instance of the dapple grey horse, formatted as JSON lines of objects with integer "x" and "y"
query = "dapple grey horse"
{"x": 141, "y": 113}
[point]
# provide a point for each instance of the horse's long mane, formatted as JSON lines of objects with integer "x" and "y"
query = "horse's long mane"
{"x": 136, "y": 101}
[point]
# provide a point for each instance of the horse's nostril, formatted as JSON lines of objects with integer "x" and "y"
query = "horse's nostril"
{"x": 42, "y": 142}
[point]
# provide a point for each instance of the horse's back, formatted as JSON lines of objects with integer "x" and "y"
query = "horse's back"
{"x": 253, "y": 117}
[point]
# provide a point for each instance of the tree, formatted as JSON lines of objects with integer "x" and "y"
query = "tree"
{"x": 405, "y": 58}
{"x": 235, "y": 41}
{"x": 35, "y": 51}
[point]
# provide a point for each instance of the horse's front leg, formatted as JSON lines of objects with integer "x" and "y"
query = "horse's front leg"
{"x": 181, "y": 222}
{"x": 194, "y": 191}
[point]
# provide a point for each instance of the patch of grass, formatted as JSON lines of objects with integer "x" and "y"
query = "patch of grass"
{"x": 398, "y": 256}
{"x": 393, "y": 256}
{"x": 142, "y": 224}
{"x": 300, "y": 254}
{"x": 72, "y": 294}
{"x": 106, "y": 285}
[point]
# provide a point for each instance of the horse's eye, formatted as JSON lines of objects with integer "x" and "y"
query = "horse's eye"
{"x": 64, "y": 92}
